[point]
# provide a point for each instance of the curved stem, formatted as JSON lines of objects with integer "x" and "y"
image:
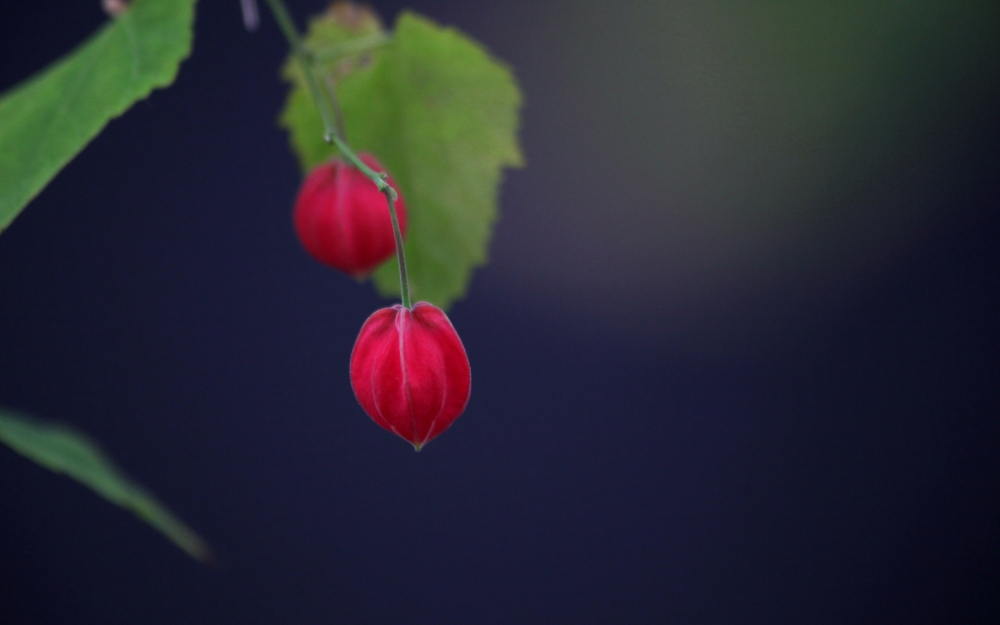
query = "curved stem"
{"x": 327, "y": 111}
{"x": 338, "y": 114}
{"x": 404, "y": 284}
{"x": 304, "y": 58}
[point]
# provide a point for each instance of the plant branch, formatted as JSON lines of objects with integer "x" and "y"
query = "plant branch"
{"x": 304, "y": 58}
{"x": 327, "y": 111}
{"x": 338, "y": 114}
{"x": 404, "y": 283}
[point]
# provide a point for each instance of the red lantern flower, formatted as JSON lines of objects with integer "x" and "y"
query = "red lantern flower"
{"x": 342, "y": 219}
{"x": 410, "y": 372}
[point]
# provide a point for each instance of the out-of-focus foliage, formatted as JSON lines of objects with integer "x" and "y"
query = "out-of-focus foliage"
{"x": 438, "y": 112}
{"x": 46, "y": 120}
{"x": 63, "y": 450}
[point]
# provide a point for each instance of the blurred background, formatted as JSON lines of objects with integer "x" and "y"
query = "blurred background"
{"x": 736, "y": 356}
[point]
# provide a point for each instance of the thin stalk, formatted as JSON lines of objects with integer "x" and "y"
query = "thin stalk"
{"x": 338, "y": 114}
{"x": 324, "y": 103}
{"x": 404, "y": 284}
{"x": 304, "y": 59}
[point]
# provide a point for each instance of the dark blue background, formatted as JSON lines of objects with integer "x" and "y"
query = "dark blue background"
{"x": 808, "y": 451}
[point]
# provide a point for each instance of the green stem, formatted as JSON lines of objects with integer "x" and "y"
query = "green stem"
{"x": 304, "y": 58}
{"x": 338, "y": 114}
{"x": 324, "y": 103}
{"x": 404, "y": 284}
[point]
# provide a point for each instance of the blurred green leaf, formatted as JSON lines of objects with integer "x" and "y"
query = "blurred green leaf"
{"x": 442, "y": 117}
{"x": 63, "y": 450}
{"x": 46, "y": 120}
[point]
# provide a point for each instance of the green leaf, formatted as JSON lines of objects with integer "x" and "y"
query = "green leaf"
{"x": 442, "y": 117}
{"x": 48, "y": 119}
{"x": 63, "y": 450}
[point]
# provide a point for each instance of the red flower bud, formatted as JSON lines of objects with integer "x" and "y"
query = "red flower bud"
{"x": 342, "y": 219}
{"x": 410, "y": 373}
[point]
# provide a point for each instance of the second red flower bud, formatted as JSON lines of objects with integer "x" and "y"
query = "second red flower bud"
{"x": 410, "y": 372}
